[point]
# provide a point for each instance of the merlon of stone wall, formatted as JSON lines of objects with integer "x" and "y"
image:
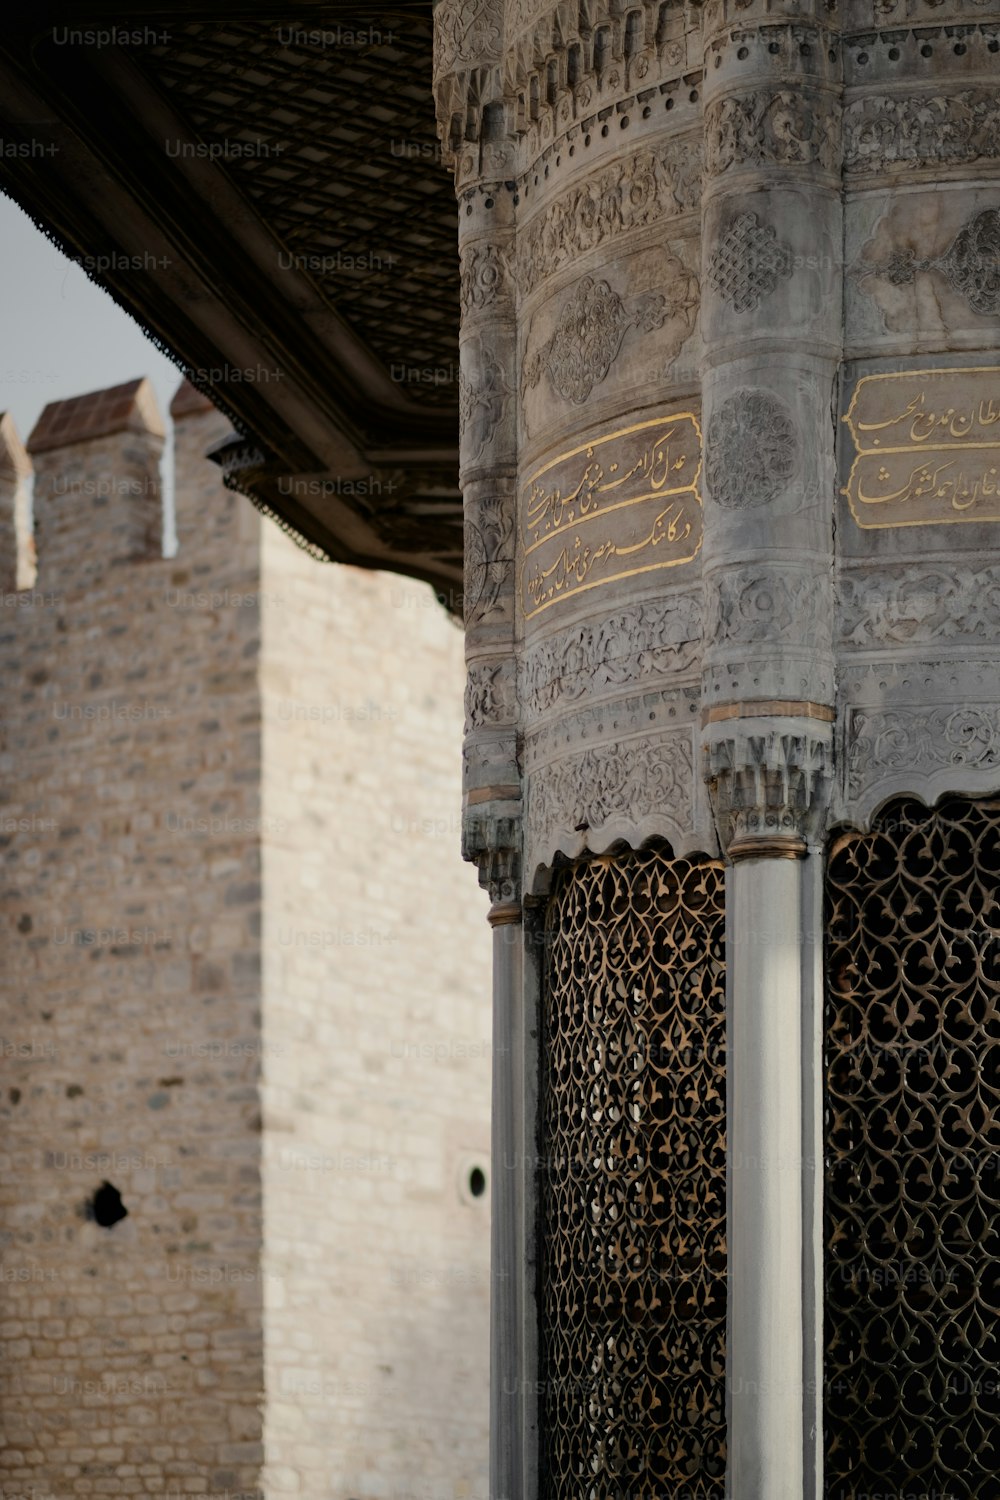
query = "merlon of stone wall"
{"x": 97, "y": 483}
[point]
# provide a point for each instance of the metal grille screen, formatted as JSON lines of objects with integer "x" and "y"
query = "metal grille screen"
{"x": 633, "y": 1181}
{"x": 912, "y": 1203}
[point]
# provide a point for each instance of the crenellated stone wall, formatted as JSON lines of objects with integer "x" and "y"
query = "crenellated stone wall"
{"x": 245, "y": 984}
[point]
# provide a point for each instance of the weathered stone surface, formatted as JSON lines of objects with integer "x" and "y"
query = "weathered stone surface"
{"x": 245, "y": 981}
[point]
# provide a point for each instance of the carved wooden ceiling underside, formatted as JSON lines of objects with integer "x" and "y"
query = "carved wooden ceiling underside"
{"x": 263, "y": 191}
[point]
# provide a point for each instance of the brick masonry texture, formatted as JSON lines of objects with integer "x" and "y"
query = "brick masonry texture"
{"x": 246, "y": 981}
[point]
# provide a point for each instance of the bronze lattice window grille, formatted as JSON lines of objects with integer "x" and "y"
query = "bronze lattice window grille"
{"x": 912, "y": 1203}
{"x": 633, "y": 1181}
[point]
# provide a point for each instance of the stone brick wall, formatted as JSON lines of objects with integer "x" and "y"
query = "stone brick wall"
{"x": 376, "y": 1045}
{"x": 231, "y": 759}
{"x": 130, "y": 1000}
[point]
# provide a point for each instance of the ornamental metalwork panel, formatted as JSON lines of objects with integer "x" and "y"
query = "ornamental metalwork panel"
{"x": 912, "y": 1202}
{"x": 633, "y": 1181}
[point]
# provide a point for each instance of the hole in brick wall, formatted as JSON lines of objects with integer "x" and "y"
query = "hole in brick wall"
{"x": 106, "y": 1207}
{"x": 477, "y": 1182}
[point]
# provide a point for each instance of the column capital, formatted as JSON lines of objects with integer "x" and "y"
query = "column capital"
{"x": 492, "y": 843}
{"x": 769, "y": 781}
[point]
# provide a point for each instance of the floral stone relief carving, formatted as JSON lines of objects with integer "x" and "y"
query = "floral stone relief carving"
{"x": 970, "y": 265}
{"x": 917, "y": 604}
{"x": 483, "y": 400}
{"x": 920, "y": 741}
{"x": 627, "y": 782}
{"x": 483, "y": 277}
{"x": 588, "y": 335}
{"x": 643, "y": 640}
{"x": 647, "y": 188}
{"x": 883, "y": 131}
{"x": 766, "y": 127}
{"x": 751, "y": 450}
{"x": 489, "y": 557}
{"x": 766, "y": 604}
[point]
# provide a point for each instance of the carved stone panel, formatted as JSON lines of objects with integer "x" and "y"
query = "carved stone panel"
{"x": 771, "y": 127}
{"x": 489, "y": 558}
{"x": 654, "y": 185}
{"x": 766, "y": 602}
{"x": 486, "y": 404}
{"x": 922, "y": 746}
{"x": 484, "y": 278}
{"x": 748, "y": 262}
{"x": 944, "y": 603}
{"x": 638, "y": 642}
{"x": 924, "y": 263}
{"x": 588, "y": 334}
{"x": 892, "y": 132}
{"x": 926, "y": 448}
{"x": 752, "y": 450}
{"x": 971, "y": 263}
{"x": 605, "y": 335}
{"x": 467, "y": 33}
{"x": 626, "y": 503}
{"x": 628, "y": 789}
{"x": 490, "y": 693}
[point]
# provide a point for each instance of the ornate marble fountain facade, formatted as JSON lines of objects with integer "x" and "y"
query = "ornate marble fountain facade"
{"x": 731, "y": 469}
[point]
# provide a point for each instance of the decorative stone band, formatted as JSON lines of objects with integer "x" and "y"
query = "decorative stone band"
{"x": 770, "y": 784}
{"x": 773, "y": 127}
{"x": 532, "y": 69}
{"x": 493, "y": 844}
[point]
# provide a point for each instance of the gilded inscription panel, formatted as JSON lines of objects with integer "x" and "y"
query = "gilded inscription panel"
{"x": 926, "y": 448}
{"x": 621, "y": 505}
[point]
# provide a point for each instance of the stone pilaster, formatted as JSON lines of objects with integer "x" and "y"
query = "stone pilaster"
{"x": 771, "y": 321}
{"x": 467, "y": 63}
{"x": 772, "y": 325}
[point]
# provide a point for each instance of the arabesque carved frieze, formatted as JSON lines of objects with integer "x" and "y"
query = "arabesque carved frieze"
{"x": 637, "y": 642}
{"x": 920, "y": 740}
{"x": 772, "y": 128}
{"x": 632, "y": 785}
{"x": 883, "y": 131}
{"x": 767, "y": 602}
{"x": 917, "y": 604}
{"x": 649, "y": 187}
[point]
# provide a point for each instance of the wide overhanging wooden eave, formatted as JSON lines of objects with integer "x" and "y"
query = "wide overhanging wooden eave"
{"x": 263, "y": 192}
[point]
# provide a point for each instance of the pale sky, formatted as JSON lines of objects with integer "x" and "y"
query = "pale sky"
{"x": 60, "y": 335}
